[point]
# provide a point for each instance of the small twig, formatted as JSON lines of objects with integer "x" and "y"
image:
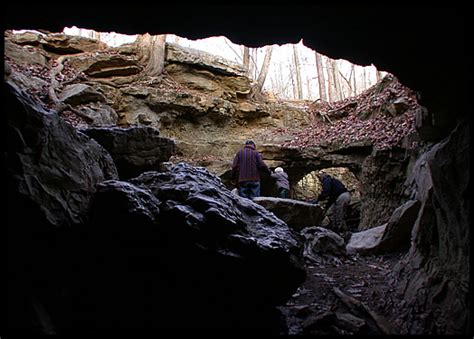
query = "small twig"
{"x": 325, "y": 116}
{"x": 341, "y": 108}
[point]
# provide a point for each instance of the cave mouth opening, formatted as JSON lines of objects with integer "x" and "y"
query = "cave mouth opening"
{"x": 292, "y": 73}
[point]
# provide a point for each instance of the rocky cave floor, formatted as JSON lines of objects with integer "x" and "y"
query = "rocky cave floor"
{"x": 368, "y": 303}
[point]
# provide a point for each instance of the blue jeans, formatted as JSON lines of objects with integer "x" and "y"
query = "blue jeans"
{"x": 249, "y": 189}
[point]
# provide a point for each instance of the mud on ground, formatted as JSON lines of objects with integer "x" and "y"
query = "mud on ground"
{"x": 354, "y": 295}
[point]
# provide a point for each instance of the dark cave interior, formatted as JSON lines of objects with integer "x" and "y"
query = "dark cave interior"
{"x": 424, "y": 46}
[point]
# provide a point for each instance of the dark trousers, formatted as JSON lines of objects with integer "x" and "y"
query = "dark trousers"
{"x": 283, "y": 193}
{"x": 249, "y": 189}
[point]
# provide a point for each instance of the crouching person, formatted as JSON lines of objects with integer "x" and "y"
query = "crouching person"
{"x": 338, "y": 200}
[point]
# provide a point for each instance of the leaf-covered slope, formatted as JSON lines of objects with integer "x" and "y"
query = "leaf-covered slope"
{"x": 383, "y": 115}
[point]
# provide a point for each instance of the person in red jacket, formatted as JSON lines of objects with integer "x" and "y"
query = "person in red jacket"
{"x": 245, "y": 170}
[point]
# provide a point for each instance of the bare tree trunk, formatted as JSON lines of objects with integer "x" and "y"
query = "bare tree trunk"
{"x": 337, "y": 84}
{"x": 364, "y": 78}
{"x": 293, "y": 82}
{"x": 352, "y": 74}
{"x": 321, "y": 81}
{"x": 354, "y": 85}
{"x": 331, "y": 88}
{"x": 299, "y": 85}
{"x": 348, "y": 82}
{"x": 308, "y": 88}
{"x": 379, "y": 75}
{"x": 151, "y": 50}
{"x": 264, "y": 71}
{"x": 253, "y": 63}
{"x": 246, "y": 61}
{"x": 277, "y": 82}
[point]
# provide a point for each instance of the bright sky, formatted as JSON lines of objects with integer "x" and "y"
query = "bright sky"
{"x": 281, "y": 66}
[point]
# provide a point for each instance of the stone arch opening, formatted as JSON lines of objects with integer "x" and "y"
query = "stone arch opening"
{"x": 309, "y": 187}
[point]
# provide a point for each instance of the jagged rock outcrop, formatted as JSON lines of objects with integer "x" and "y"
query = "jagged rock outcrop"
{"x": 77, "y": 94}
{"x": 52, "y": 165}
{"x": 209, "y": 258}
{"x": 207, "y": 73}
{"x": 183, "y": 55}
{"x": 69, "y": 44}
{"x": 135, "y": 149}
{"x": 24, "y": 55}
{"x": 434, "y": 276}
{"x": 201, "y": 98}
{"x": 397, "y": 235}
{"x": 52, "y": 172}
{"x": 382, "y": 178}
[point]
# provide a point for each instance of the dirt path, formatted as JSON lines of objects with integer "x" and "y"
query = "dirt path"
{"x": 349, "y": 296}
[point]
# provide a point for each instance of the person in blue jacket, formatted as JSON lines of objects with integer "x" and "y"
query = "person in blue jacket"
{"x": 338, "y": 199}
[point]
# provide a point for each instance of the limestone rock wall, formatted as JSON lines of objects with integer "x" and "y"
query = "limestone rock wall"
{"x": 434, "y": 276}
{"x": 382, "y": 177}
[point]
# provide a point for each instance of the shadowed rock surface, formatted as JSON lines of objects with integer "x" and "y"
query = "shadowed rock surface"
{"x": 297, "y": 214}
{"x": 170, "y": 250}
{"x": 434, "y": 275}
{"x": 135, "y": 149}
{"x": 189, "y": 253}
{"x": 52, "y": 164}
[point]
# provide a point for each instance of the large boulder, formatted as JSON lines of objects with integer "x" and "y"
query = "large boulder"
{"x": 322, "y": 245}
{"x": 394, "y": 236}
{"x": 176, "y": 249}
{"x": 50, "y": 163}
{"x": 297, "y": 214}
{"x": 365, "y": 242}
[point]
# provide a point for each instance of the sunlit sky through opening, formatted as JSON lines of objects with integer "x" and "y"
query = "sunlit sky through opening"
{"x": 279, "y": 79}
